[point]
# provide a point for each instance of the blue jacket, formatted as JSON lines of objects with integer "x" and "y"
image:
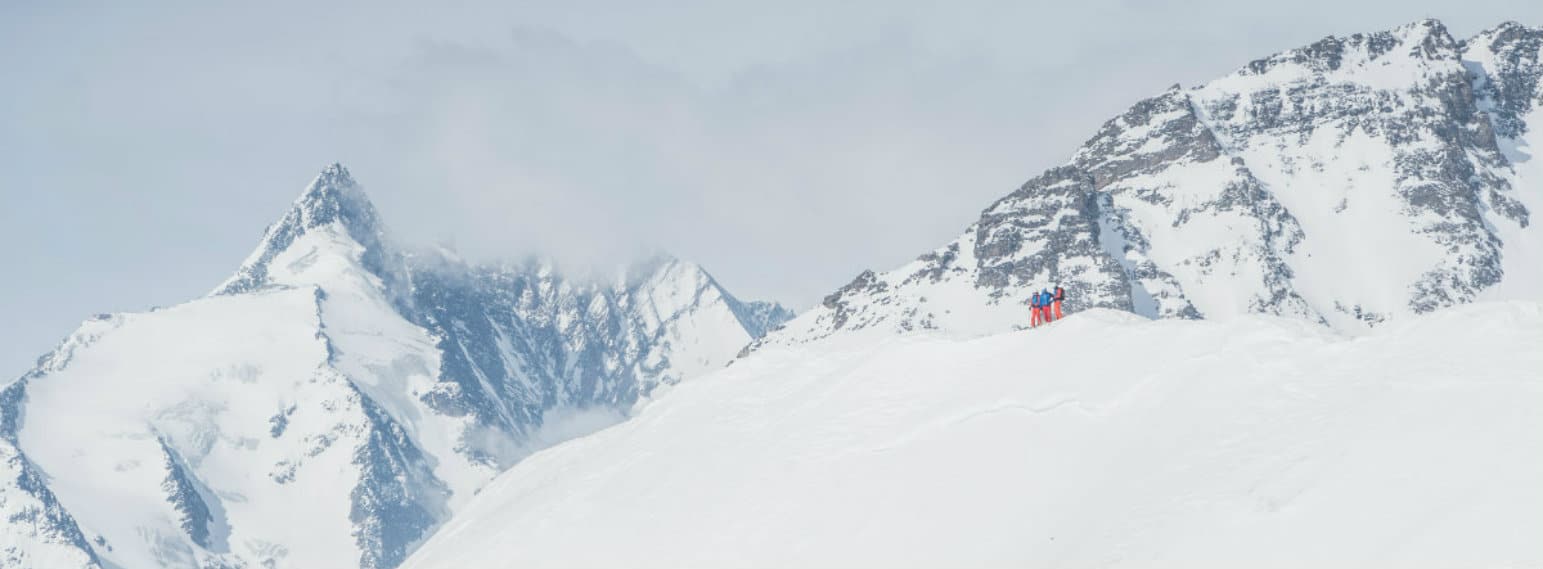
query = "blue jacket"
{"x": 1046, "y": 298}
{"x": 1034, "y": 301}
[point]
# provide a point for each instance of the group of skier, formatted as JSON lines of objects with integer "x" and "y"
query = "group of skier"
{"x": 1046, "y": 306}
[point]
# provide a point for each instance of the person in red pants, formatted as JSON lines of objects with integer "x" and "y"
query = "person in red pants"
{"x": 1060, "y": 295}
{"x": 1034, "y": 310}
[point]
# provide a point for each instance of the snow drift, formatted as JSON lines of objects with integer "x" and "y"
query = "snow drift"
{"x": 1105, "y": 439}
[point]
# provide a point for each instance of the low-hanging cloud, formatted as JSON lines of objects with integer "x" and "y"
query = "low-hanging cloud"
{"x": 590, "y": 154}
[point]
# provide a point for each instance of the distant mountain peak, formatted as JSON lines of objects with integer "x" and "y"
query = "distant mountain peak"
{"x": 336, "y": 370}
{"x": 333, "y": 198}
{"x": 659, "y": 265}
{"x": 336, "y": 169}
{"x": 336, "y": 189}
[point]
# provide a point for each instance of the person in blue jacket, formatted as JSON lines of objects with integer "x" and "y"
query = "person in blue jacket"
{"x": 1044, "y": 305}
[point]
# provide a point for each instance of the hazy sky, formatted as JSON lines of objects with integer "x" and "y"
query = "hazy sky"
{"x": 783, "y": 145}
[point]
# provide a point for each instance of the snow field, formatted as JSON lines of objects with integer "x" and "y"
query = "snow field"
{"x": 1102, "y": 440}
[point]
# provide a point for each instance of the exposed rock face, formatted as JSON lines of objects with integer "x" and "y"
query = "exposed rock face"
{"x": 1390, "y": 125}
{"x": 1505, "y": 64}
{"x": 1347, "y": 182}
{"x": 518, "y": 341}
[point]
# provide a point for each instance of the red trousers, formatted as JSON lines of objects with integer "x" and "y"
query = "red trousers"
{"x": 1034, "y": 317}
{"x": 1057, "y": 310}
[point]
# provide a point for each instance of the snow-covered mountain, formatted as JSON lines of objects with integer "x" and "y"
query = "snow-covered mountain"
{"x": 1105, "y": 440}
{"x": 340, "y": 400}
{"x": 335, "y": 400}
{"x": 1348, "y": 182}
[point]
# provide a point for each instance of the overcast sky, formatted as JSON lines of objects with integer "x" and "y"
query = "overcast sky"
{"x": 783, "y": 145}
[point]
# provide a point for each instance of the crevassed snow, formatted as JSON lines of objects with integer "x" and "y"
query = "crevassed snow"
{"x": 1103, "y": 440}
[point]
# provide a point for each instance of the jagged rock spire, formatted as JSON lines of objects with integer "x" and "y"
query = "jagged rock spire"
{"x": 332, "y": 198}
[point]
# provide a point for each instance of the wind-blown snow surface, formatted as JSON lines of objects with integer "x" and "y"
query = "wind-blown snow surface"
{"x": 334, "y": 401}
{"x": 1103, "y": 440}
{"x": 1349, "y": 182}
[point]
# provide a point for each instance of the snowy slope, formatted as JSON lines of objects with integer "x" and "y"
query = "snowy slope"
{"x": 1258, "y": 441}
{"x": 197, "y": 435}
{"x": 35, "y": 530}
{"x": 334, "y": 401}
{"x": 1348, "y": 182}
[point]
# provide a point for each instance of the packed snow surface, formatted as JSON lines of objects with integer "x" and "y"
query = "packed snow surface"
{"x": 1104, "y": 439}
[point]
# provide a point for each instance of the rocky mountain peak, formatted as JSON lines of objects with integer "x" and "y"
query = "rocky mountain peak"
{"x": 333, "y": 199}
{"x": 1418, "y": 43}
{"x": 335, "y": 196}
{"x": 361, "y": 390}
{"x": 1427, "y": 38}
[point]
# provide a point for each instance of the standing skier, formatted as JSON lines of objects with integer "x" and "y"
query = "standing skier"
{"x": 1045, "y": 300}
{"x": 1034, "y": 310}
{"x": 1060, "y": 295}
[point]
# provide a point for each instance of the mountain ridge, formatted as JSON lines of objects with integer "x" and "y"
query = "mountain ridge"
{"x": 1347, "y": 182}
